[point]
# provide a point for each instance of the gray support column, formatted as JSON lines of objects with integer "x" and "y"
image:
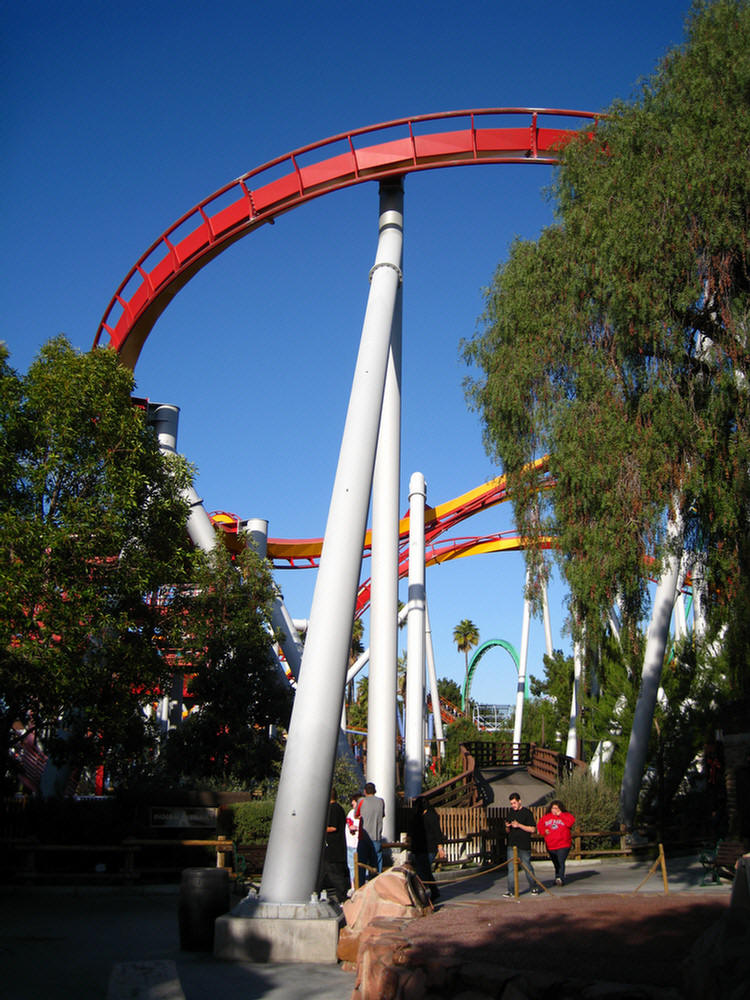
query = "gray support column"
{"x": 522, "y": 661}
{"x": 281, "y": 620}
{"x": 383, "y": 673}
{"x": 297, "y": 832}
{"x": 414, "y": 726}
{"x": 164, "y": 418}
{"x": 571, "y": 748}
{"x": 432, "y": 676}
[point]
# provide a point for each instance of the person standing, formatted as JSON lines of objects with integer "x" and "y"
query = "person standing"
{"x": 371, "y": 812}
{"x": 555, "y": 828}
{"x": 426, "y": 843}
{"x": 352, "y": 836}
{"x": 519, "y": 827}
{"x": 335, "y": 872}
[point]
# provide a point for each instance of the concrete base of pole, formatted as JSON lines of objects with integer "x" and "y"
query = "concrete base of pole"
{"x": 256, "y": 931}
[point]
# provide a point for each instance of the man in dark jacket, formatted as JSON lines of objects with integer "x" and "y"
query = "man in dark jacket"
{"x": 335, "y": 878}
{"x": 519, "y": 827}
{"x": 426, "y": 843}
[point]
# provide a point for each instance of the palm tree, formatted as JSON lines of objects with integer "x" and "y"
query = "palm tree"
{"x": 466, "y": 637}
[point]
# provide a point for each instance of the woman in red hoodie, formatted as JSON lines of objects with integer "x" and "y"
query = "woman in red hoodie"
{"x": 555, "y": 826}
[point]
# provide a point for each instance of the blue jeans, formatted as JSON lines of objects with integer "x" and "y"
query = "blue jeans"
{"x": 558, "y": 860}
{"x": 525, "y": 858}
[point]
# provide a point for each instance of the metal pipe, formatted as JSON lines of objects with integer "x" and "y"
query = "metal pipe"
{"x": 432, "y": 676}
{"x": 296, "y": 841}
{"x": 415, "y": 658}
{"x": 383, "y": 674}
{"x": 522, "y": 660}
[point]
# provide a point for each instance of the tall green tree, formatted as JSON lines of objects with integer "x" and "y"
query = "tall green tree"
{"x": 466, "y": 637}
{"x": 91, "y": 522}
{"x": 618, "y": 343}
{"x": 239, "y": 692}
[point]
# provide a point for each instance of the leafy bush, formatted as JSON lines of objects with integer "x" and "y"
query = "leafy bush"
{"x": 252, "y": 821}
{"x": 461, "y": 731}
{"x": 347, "y": 780}
{"x": 595, "y": 804}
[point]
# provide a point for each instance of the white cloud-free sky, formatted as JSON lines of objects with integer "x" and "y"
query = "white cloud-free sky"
{"x": 119, "y": 117}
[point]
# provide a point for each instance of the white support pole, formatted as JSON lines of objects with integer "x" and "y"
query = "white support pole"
{"x": 364, "y": 658}
{"x": 571, "y": 749}
{"x": 522, "y": 661}
{"x": 296, "y": 841}
{"x": 164, "y": 418}
{"x": 432, "y": 676}
{"x": 281, "y": 620}
{"x": 653, "y": 662}
{"x": 383, "y": 673}
{"x": 415, "y": 658}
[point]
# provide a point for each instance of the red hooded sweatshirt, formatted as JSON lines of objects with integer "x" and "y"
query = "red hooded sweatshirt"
{"x": 556, "y": 829}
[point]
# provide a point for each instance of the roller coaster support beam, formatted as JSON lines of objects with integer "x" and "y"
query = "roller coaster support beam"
{"x": 432, "y": 675}
{"x": 164, "y": 418}
{"x": 571, "y": 748}
{"x": 290, "y": 876}
{"x": 522, "y": 664}
{"x": 415, "y": 658}
{"x": 383, "y": 673}
{"x": 281, "y": 620}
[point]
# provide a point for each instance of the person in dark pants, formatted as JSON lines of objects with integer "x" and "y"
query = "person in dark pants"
{"x": 555, "y": 827}
{"x": 335, "y": 877}
{"x": 426, "y": 843}
{"x": 519, "y": 827}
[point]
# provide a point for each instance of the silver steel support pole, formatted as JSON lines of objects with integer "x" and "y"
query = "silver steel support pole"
{"x": 522, "y": 661}
{"x": 281, "y": 620}
{"x": 432, "y": 677}
{"x": 571, "y": 747}
{"x": 383, "y": 673}
{"x": 164, "y": 418}
{"x": 295, "y": 845}
{"x": 415, "y": 658}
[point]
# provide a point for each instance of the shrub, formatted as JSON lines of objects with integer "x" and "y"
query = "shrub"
{"x": 595, "y": 804}
{"x": 347, "y": 780}
{"x": 252, "y": 821}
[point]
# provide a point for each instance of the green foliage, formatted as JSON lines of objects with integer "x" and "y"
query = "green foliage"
{"x": 449, "y": 691}
{"x": 595, "y": 804}
{"x": 461, "y": 731}
{"x": 238, "y": 691}
{"x": 252, "y": 821}
{"x": 346, "y": 780}
{"x": 91, "y": 520}
{"x": 618, "y": 341}
{"x": 357, "y": 714}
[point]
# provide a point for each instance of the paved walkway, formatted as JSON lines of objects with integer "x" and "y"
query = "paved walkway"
{"x": 97, "y": 943}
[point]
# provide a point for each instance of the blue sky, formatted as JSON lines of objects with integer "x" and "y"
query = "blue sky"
{"x": 119, "y": 117}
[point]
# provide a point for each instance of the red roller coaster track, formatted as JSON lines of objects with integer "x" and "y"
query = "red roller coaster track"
{"x": 262, "y": 194}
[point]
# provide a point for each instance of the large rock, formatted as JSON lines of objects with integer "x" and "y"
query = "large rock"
{"x": 397, "y": 894}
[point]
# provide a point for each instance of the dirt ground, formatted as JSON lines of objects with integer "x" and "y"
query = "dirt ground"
{"x": 634, "y": 939}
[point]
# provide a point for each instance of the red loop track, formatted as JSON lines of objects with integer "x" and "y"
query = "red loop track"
{"x": 258, "y": 196}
